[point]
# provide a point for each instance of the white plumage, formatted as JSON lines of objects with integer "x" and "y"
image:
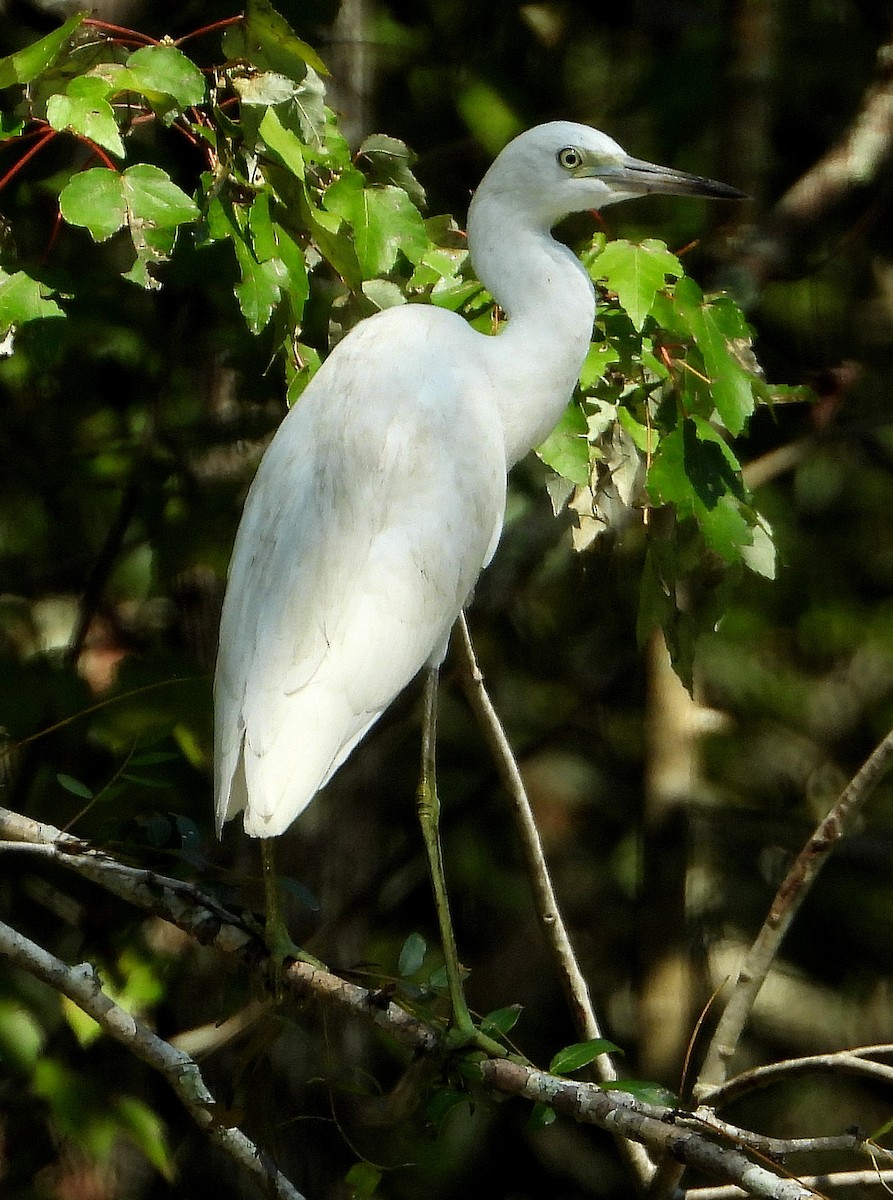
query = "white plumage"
{"x": 381, "y": 497}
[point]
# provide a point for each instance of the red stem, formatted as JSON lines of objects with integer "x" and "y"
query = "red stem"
{"x": 227, "y": 21}
{"x": 26, "y": 157}
{"x": 98, "y": 152}
{"x": 132, "y": 35}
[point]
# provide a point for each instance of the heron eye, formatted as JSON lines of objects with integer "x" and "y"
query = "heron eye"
{"x": 570, "y": 158}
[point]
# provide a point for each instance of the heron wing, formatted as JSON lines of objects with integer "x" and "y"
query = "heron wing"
{"x": 374, "y": 509}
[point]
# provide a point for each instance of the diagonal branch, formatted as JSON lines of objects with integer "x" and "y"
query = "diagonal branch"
{"x": 788, "y": 899}
{"x": 551, "y": 920}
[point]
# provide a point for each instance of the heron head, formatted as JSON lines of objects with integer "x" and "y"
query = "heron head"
{"x": 561, "y": 168}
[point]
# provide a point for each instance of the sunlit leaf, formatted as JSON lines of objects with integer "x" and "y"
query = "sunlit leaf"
{"x": 636, "y": 273}
{"x": 25, "y": 65}
{"x": 158, "y": 71}
{"x": 566, "y": 449}
{"x": 24, "y": 299}
{"x": 85, "y": 110}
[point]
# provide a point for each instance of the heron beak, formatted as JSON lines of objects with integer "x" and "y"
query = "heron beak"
{"x": 634, "y": 177}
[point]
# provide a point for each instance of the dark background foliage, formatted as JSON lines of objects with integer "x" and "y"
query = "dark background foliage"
{"x": 128, "y": 434}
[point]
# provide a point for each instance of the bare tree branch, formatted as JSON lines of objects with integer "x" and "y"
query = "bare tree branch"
{"x": 785, "y": 906}
{"x": 582, "y": 1011}
{"x": 718, "y": 1148}
{"x": 81, "y": 985}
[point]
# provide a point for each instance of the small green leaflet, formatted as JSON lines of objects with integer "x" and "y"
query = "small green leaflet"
{"x": 636, "y": 273}
{"x": 412, "y": 955}
{"x": 85, "y": 110}
{"x": 269, "y": 33}
{"x": 104, "y": 201}
{"x": 260, "y": 287}
{"x": 566, "y": 449}
{"x": 163, "y": 75}
{"x": 644, "y": 1090}
{"x": 716, "y": 327}
{"x": 159, "y": 71}
{"x": 501, "y": 1021}
{"x": 362, "y": 1180}
{"x": 284, "y": 145}
{"x": 74, "y": 786}
{"x": 384, "y": 221}
{"x": 23, "y": 299}
{"x": 580, "y": 1054}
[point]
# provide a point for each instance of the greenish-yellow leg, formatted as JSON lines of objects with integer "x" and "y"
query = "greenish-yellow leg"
{"x": 429, "y": 817}
{"x": 276, "y": 933}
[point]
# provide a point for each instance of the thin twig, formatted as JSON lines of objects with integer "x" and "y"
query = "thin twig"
{"x": 854, "y": 1062}
{"x": 550, "y": 918}
{"x": 785, "y": 906}
{"x": 81, "y": 985}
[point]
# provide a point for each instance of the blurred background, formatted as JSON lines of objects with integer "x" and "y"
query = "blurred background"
{"x": 128, "y": 435}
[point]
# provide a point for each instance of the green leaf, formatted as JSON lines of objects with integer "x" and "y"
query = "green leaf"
{"x": 384, "y": 221}
{"x": 644, "y": 1090}
{"x": 25, "y": 65}
{"x": 159, "y": 71}
{"x": 147, "y": 1132}
{"x": 580, "y": 1054}
{"x": 501, "y": 1021}
{"x": 390, "y": 161}
{"x": 362, "y": 1180}
{"x": 412, "y": 955}
{"x": 731, "y": 386}
{"x": 645, "y": 439}
{"x": 442, "y": 1103}
{"x": 266, "y": 89}
{"x": 541, "y": 1115}
{"x": 273, "y": 41}
{"x": 104, "y": 201}
{"x": 297, "y": 282}
{"x": 154, "y": 198}
{"x": 760, "y": 556}
{"x": 566, "y": 449}
{"x": 85, "y": 110}
{"x": 24, "y": 299}
{"x": 284, "y": 145}
{"x": 95, "y": 200}
{"x": 636, "y": 273}
{"x": 74, "y": 786}
{"x": 260, "y": 288}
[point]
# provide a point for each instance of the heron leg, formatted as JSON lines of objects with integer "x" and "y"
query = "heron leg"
{"x": 429, "y": 818}
{"x": 276, "y": 934}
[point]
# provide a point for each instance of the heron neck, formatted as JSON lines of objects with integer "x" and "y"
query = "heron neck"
{"x": 550, "y": 304}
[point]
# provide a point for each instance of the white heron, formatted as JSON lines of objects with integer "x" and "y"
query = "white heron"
{"x": 381, "y": 497}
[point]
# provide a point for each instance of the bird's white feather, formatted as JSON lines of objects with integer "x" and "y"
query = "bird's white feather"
{"x": 388, "y": 498}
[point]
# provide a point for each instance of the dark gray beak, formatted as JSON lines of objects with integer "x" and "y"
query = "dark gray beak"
{"x": 638, "y": 178}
